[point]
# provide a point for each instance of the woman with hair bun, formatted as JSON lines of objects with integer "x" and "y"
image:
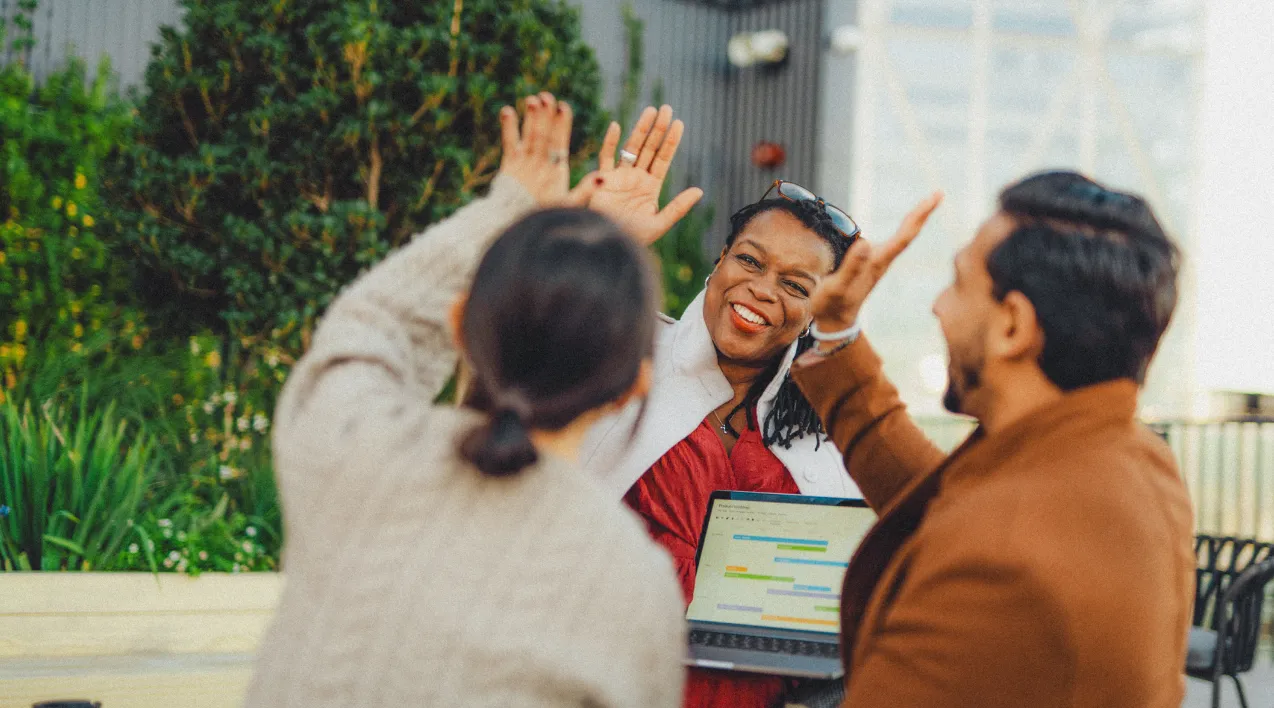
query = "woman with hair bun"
{"x": 439, "y": 556}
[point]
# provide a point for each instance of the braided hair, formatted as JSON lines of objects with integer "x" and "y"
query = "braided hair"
{"x": 792, "y": 416}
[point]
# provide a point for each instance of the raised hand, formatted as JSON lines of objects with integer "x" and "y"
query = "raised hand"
{"x": 538, "y": 154}
{"x": 629, "y": 195}
{"x": 839, "y": 298}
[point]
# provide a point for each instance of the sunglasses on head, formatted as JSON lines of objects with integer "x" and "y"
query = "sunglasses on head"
{"x": 796, "y": 193}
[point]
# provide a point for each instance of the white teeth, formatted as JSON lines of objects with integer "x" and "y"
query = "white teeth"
{"x": 749, "y": 315}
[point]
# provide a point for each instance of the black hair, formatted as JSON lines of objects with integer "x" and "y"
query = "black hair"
{"x": 560, "y": 316}
{"x": 792, "y": 416}
{"x": 1099, "y": 270}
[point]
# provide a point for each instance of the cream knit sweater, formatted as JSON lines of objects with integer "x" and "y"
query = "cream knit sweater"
{"x": 412, "y": 580}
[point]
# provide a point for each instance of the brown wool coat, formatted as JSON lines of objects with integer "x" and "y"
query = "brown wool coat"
{"x": 1050, "y": 564}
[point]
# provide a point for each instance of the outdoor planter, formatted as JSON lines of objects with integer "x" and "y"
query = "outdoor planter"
{"x": 131, "y": 639}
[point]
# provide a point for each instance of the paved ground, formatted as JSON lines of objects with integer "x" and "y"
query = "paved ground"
{"x": 1258, "y": 684}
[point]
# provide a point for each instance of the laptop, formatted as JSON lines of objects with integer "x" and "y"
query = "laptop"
{"x": 768, "y": 582}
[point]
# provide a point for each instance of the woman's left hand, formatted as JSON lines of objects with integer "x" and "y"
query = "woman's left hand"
{"x": 629, "y": 195}
{"x": 538, "y": 155}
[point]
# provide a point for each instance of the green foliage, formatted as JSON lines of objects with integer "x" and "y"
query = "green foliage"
{"x": 73, "y": 480}
{"x": 283, "y": 147}
{"x": 680, "y": 254}
{"x": 60, "y": 290}
{"x": 635, "y": 42}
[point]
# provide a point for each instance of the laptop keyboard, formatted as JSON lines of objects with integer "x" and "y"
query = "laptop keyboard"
{"x": 748, "y": 642}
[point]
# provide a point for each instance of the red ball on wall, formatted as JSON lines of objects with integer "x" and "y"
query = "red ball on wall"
{"x": 768, "y": 155}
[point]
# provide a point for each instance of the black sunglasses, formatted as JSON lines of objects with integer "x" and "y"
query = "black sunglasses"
{"x": 796, "y": 193}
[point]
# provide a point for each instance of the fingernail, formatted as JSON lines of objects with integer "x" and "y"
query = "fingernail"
{"x": 599, "y": 181}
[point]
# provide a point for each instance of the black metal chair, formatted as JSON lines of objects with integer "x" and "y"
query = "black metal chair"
{"x": 1230, "y": 584}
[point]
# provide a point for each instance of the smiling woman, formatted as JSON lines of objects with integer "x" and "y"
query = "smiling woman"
{"x": 723, "y": 413}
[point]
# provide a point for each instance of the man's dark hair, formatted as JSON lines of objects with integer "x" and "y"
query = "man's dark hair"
{"x": 1099, "y": 270}
{"x": 792, "y": 416}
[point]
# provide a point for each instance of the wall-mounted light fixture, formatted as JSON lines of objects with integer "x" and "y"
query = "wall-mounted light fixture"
{"x": 846, "y": 40}
{"x": 752, "y": 48}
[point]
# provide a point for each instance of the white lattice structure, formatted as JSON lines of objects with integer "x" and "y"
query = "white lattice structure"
{"x": 968, "y": 95}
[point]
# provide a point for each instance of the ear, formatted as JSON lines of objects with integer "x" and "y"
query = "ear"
{"x": 1015, "y": 329}
{"x": 456, "y": 320}
{"x": 641, "y": 386}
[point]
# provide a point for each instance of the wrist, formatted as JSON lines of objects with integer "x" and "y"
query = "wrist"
{"x": 826, "y": 331}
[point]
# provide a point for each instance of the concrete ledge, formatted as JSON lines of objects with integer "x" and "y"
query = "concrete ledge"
{"x": 145, "y": 681}
{"x": 103, "y": 614}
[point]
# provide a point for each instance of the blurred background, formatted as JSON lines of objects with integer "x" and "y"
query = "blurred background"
{"x": 185, "y": 184}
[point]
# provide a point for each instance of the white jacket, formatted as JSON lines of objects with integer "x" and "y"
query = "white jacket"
{"x": 687, "y": 386}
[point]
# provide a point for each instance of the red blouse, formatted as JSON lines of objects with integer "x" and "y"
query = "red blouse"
{"x": 672, "y": 498}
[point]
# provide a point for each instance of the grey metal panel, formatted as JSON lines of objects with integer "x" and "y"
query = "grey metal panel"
{"x": 122, "y": 30}
{"x": 726, "y": 110}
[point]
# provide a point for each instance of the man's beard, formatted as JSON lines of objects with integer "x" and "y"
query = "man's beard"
{"x": 962, "y": 379}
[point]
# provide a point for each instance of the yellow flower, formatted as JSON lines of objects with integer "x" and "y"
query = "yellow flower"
{"x": 19, "y": 352}
{"x": 88, "y": 221}
{"x": 78, "y": 329}
{"x": 213, "y": 360}
{"x": 76, "y": 307}
{"x": 71, "y": 209}
{"x": 20, "y": 329}
{"x": 4, "y": 351}
{"x": 2, "y": 257}
{"x": 57, "y": 202}
{"x": 76, "y": 253}
{"x": 80, "y": 181}
{"x": 76, "y": 347}
{"x": 137, "y": 342}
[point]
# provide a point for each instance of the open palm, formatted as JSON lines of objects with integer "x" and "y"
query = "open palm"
{"x": 629, "y": 194}
{"x": 838, "y": 299}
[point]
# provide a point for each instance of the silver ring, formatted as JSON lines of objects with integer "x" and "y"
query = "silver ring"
{"x": 627, "y": 158}
{"x": 557, "y": 156}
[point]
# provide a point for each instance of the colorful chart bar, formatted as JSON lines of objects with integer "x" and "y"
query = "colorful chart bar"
{"x": 810, "y": 549}
{"x": 822, "y": 608}
{"x": 736, "y": 569}
{"x": 814, "y": 588}
{"x": 740, "y": 608}
{"x": 754, "y": 576}
{"x": 798, "y": 593}
{"x": 775, "y": 539}
{"x": 806, "y": 561}
{"x": 800, "y": 620}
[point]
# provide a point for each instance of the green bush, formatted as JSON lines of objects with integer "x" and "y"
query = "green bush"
{"x": 280, "y": 148}
{"x": 72, "y": 480}
{"x": 61, "y": 292}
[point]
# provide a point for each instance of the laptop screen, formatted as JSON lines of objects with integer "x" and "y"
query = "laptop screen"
{"x": 776, "y": 564}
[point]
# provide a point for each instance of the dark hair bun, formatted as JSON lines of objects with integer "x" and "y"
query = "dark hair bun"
{"x": 500, "y": 448}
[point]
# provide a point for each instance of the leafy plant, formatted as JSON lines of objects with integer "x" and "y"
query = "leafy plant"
{"x": 72, "y": 480}
{"x": 280, "y": 148}
{"x": 62, "y": 295}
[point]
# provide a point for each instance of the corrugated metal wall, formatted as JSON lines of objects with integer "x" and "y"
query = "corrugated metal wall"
{"x": 92, "y": 29}
{"x": 726, "y": 110}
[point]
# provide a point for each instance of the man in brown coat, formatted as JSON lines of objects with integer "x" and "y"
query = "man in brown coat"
{"x": 1048, "y": 561}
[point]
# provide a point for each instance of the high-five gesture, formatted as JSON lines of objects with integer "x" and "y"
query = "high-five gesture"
{"x": 839, "y": 298}
{"x": 538, "y": 155}
{"x": 630, "y": 193}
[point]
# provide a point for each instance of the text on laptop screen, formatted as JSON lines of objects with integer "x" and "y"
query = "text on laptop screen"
{"x": 773, "y": 564}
